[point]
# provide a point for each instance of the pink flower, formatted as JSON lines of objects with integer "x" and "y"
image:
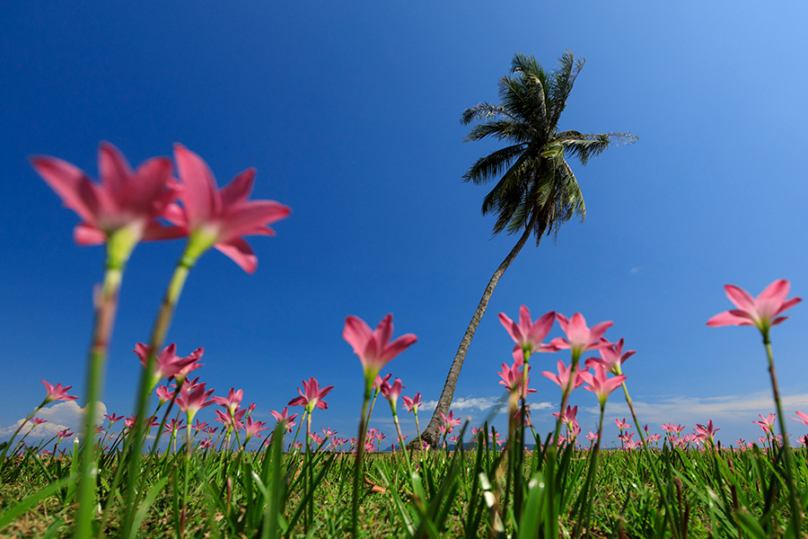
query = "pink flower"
{"x": 168, "y": 364}
{"x": 622, "y": 424}
{"x": 199, "y": 426}
{"x": 36, "y": 421}
{"x": 766, "y": 423}
{"x": 707, "y": 433}
{"x": 392, "y": 392}
{"x": 124, "y": 199}
{"x": 253, "y": 428}
{"x": 328, "y": 432}
{"x": 512, "y": 378}
{"x": 802, "y": 419}
{"x": 449, "y": 422}
{"x": 231, "y": 422}
{"x": 173, "y": 426}
{"x": 600, "y": 385}
{"x": 218, "y": 218}
{"x": 164, "y": 394}
{"x": 66, "y": 433}
{"x": 611, "y": 357}
{"x": 312, "y": 398}
{"x": 57, "y": 393}
{"x": 373, "y": 347}
{"x": 412, "y": 404}
{"x": 232, "y": 401}
{"x": 759, "y": 312}
{"x": 191, "y": 401}
{"x": 113, "y": 418}
{"x": 580, "y": 338}
{"x": 563, "y": 377}
{"x": 289, "y": 420}
{"x": 528, "y": 335}
{"x": 671, "y": 428}
{"x": 569, "y": 416}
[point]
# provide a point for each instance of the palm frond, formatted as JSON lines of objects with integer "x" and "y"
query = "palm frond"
{"x": 501, "y": 129}
{"x": 493, "y": 164}
{"x": 561, "y": 82}
{"x": 482, "y": 112}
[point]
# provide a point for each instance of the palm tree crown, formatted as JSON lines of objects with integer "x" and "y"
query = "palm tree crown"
{"x": 537, "y": 187}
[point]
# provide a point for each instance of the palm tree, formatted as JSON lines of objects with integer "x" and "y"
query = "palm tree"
{"x": 537, "y": 191}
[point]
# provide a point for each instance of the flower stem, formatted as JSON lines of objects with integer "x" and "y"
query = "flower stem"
{"x": 796, "y": 506}
{"x": 360, "y": 447}
{"x": 156, "y": 341}
{"x": 106, "y": 305}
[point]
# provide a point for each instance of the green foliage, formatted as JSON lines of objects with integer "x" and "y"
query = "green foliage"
{"x": 537, "y": 188}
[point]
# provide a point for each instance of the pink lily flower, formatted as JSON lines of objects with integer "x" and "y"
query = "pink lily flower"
{"x": 66, "y": 433}
{"x": 449, "y": 421}
{"x": 232, "y": 401}
{"x": 766, "y": 423}
{"x": 600, "y": 385}
{"x": 569, "y": 416}
{"x": 392, "y": 392}
{"x": 373, "y": 347}
{"x": 673, "y": 429}
{"x": 57, "y": 393}
{"x": 563, "y": 377}
{"x": 707, "y": 433}
{"x": 328, "y": 433}
{"x": 113, "y": 418}
{"x": 592, "y": 436}
{"x": 173, "y": 427}
{"x": 412, "y": 404}
{"x": 164, "y": 394}
{"x": 168, "y": 363}
{"x": 199, "y": 426}
{"x": 622, "y": 424}
{"x": 312, "y": 398}
{"x": 124, "y": 199}
{"x": 611, "y": 357}
{"x": 378, "y": 381}
{"x": 231, "y": 422}
{"x": 580, "y": 338}
{"x": 36, "y": 421}
{"x": 512, "y": 379}
{"x": 761, "y": 312}
{"x": 210, "y": 430}
{"x": 802, "y": 419}
{"x": 528, "y": 335}
{"x": 219, "y": 218}
{"x": 191, "y": 401}
{"x": 253, "y": 428}
{"x": 289, "y": 420}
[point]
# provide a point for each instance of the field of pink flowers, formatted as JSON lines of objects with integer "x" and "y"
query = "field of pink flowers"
{"x": 241, "y": 477}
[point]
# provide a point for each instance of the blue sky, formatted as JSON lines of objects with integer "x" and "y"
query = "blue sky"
{"x": 351, "y": 114}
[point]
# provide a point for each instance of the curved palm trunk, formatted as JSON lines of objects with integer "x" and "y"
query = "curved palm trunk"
{"x": 430, "y": 435}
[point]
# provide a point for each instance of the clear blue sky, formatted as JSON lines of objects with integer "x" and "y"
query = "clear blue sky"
{"x": 351, "y": 114}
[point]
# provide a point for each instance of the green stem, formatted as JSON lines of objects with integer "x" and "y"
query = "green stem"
{"x": 360, "y": 449}
{"x": 793, "y": 495}
{"x": 105, "y": 309}
{"x": 156, "y": 341}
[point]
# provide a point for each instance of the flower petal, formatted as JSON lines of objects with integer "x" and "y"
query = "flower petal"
{"x": 114, "y": 170}
{"x": 740, "y": 297}
{"x": 239, "y": 189}
{"x": 87, "y": 234}
{"x": 357, "y": 333}
{"x": 727, "y": 319}
{"x": 240, "y": 252}
{"x": 200, "y": 196}
{"x": 64, "y": 179}
{"x": 241, "y": 219}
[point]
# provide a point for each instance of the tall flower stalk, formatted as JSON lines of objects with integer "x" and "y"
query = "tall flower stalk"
{"x": 764, "y": 312}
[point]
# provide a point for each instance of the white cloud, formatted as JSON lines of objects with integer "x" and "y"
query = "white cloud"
{"x": 482, "y": 403}
{"x": 635, "y": 270}
{"x": 729, "y": 409}
{"x": 60, "y": 416}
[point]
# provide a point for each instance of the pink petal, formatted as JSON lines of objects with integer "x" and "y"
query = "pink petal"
{"x": 775, "y": 292}
{"x": 398, "y": 346}
{"x": 156, "y": 231}
{"x": 524, "y": 317}
{"x": 176, "y": 215}
{"x": 788, "y": 304}
{"x": 240, "y": 252}
{"x": 147, "y": 188}
{"x": 243, "y": 218}
{"x": 64, "y": 179}
{"x": 87, "y": 234}
{"x": 779, "y": 320}
{"x": 383, "y": 332}
{"x": 560, "y": 343}
{"x": 563, "y": 321}
{"x": 542, "y": 327}
{"x": 114, "y": 170}
{"x": 511, "y": 327}
{"x": 238, "y": 190}
{"x": 599, "y": 329}
{"x": 357, "y": 333}
{"x": 200, "y": 196}
{"x": 740, "y": 297}
{"x": 727, "y": 319}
